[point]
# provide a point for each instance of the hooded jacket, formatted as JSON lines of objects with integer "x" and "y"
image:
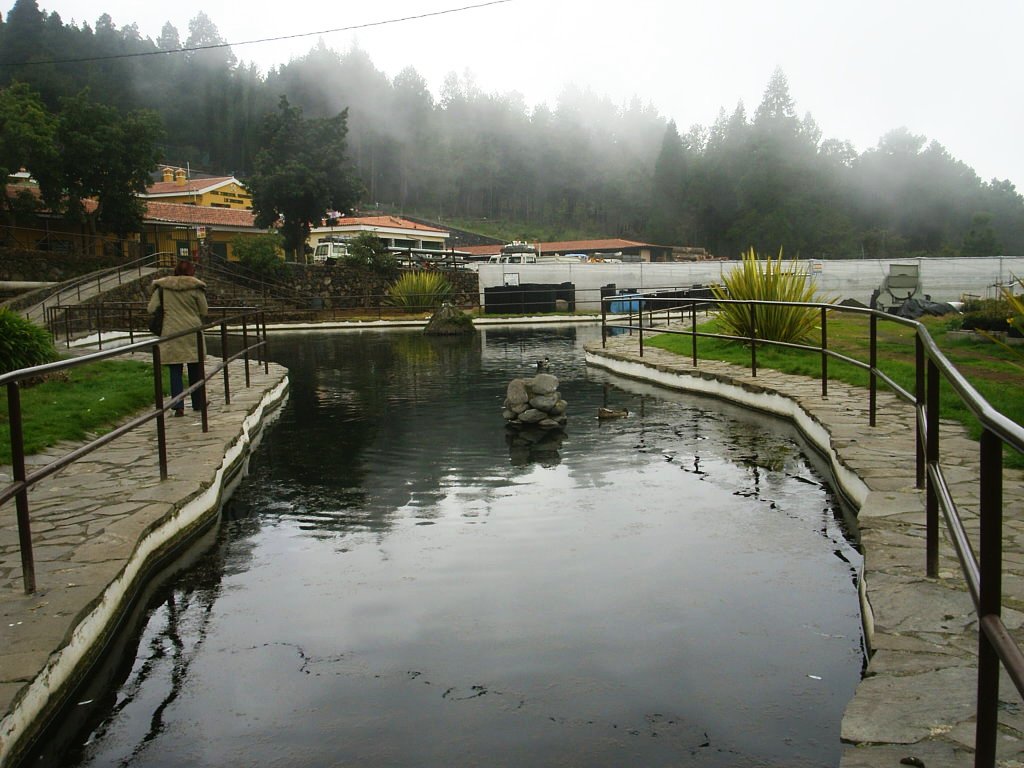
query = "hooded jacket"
{"x": 185, "y": 307}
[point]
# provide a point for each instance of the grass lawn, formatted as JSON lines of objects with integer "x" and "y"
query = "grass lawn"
{"x": 92, "y": 400}
{"x": 997, "y": 373}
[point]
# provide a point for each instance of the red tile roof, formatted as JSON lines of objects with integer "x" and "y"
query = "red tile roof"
{"x": 13, "y": 190}
{"x": 610, "y": 244}
{"x": 179, "y": 213}
{"x": 480, "y": 250}
{"x": 192, "y": 186}
{"x": 171, "y": 213}
{"x": 563, "y": 246}
{"x": 393, "y": 222}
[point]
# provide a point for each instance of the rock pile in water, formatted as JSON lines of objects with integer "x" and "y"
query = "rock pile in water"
{"x": 535, "y": 402}
{"x": 449, "y": 321}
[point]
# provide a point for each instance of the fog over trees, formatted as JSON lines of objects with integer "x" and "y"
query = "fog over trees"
{"x": 584, "y": 167}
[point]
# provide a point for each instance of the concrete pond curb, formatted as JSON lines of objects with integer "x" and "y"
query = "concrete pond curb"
{"x": 101, "y": 527}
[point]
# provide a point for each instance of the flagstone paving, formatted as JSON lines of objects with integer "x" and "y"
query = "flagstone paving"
{"x": 97, "y": 526}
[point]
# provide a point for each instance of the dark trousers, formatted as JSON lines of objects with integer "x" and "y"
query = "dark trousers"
{"x": 178, "y": 386}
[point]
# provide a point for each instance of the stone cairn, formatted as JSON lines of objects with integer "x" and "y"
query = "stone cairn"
{"x": 534, "y": 402}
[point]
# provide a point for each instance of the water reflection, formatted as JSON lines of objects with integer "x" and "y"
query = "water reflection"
{"x": 401, "y": 582}
{"x": 528, "y": 445}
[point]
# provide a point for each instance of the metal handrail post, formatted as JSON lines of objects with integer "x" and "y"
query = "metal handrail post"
{"x": 753, "y": 339}
{"x": 990, "y": 600}
{"x": 158, "y": 401}
{"x": 245, "y": 349}
{"x": 224, "y": 357}
{"x": 604, "y": 322}
{"x": 873, "y": 375}
{"x": 824, "y": 352}
{"x": 919, "y": 402}
{"x": 640, "y": 327}
{"x": 28, "y": 568}
{"x": 202, "y": 378}
{"x": 264, "y": 349}
{"x": 693, "y": 331}
{"x": 931, "y": 507}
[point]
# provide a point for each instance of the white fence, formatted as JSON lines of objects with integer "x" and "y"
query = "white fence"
{"x": 942, "y": 279}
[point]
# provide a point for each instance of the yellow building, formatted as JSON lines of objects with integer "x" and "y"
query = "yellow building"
{"x": 180, "y": 214}
{"x": 178, "y": 228}
{"x": 210, "y": 192}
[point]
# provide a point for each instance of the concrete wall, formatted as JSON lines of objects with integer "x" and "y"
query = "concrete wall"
{"x": 943, "y": 279}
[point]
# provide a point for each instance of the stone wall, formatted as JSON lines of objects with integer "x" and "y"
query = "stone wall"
{"x": 341, "y": 287}
{"x": 48, "y": 266}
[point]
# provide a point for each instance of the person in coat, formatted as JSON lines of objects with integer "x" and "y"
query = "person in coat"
{"x": 184, "y": 302}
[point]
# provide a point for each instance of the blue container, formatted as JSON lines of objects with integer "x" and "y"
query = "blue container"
{"x": 628, "y": 302}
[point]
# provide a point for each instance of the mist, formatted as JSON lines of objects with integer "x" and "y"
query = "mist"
{"x": 760, "y": 176}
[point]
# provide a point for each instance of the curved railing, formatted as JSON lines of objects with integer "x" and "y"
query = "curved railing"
{"x": 247, "y": 322}
{"x": 982, "y": 569}
{"x": 75, "y": 290}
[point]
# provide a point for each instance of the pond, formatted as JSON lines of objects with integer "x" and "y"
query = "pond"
{"x": 399, "y": 583}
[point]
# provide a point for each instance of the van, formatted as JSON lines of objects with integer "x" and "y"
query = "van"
{"x": 329, "y": 251}
{"x": 513, "y": 258}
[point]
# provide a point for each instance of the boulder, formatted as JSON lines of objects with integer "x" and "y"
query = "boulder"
{"x": 517, "y": 393}
{"x": 544, "y": 384}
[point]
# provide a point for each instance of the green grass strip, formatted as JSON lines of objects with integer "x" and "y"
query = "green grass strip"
{"x": 90, "y": 402}
{"x": 993, "y": 370}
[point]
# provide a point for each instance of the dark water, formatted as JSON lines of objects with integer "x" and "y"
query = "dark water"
{"x": 396, "y": 584}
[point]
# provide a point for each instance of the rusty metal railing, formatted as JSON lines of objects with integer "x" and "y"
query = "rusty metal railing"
{"x": 18, "y": 489}
{"x": 982, "y": 569}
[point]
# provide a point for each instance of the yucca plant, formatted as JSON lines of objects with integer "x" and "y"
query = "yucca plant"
{"x": 767, "y": 280}
{"x": 1015, "y": 307}
{"x": 419, "y": 291}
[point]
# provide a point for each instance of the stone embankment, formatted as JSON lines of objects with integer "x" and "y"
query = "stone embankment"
{"x": 916, "y": 702}
{"x": 99, "y": 528}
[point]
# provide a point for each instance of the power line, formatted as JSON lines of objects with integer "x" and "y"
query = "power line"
{"x": 367, "y": 25}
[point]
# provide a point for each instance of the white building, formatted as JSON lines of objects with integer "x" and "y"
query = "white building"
{"x": 398, "y": 234}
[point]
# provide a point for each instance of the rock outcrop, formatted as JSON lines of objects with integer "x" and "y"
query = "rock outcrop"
{"x": 449, "y": 321}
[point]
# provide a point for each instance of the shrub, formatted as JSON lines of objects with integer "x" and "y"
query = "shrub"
{"x": 419, "y": 290}
{"x": 22, "y": 343}
{"x": 766, "y": 280}
{"x": 262, "y": 254}
{"x": 995, "y": 315}
{"x": 369, "y": 251}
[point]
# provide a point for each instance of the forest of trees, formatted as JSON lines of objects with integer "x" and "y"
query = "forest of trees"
{"x": 585, "y": 167}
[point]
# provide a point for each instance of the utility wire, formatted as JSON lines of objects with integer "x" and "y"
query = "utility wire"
{"x": 367, "y": 25}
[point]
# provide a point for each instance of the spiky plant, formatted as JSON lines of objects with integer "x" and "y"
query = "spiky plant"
{"x": 1015, "y": 308}
{"x": 419, "y": 290}
{"x": 767, "y": 280}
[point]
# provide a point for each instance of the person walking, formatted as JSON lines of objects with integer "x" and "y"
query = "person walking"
{"x": 183, "y": 297}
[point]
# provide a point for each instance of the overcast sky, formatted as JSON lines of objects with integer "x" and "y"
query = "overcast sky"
{"x": 949, "y": 70}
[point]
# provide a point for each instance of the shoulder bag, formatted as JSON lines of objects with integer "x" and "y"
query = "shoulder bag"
{"x": 156, "y": 320}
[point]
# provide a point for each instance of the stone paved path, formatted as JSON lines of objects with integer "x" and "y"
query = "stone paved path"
{"x": 98, "y": 523}
{"x": 916, "y": 703}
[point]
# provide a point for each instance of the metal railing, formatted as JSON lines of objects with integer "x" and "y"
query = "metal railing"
{"x": 246, "y": 322}
{"x": 982, "y": 569}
